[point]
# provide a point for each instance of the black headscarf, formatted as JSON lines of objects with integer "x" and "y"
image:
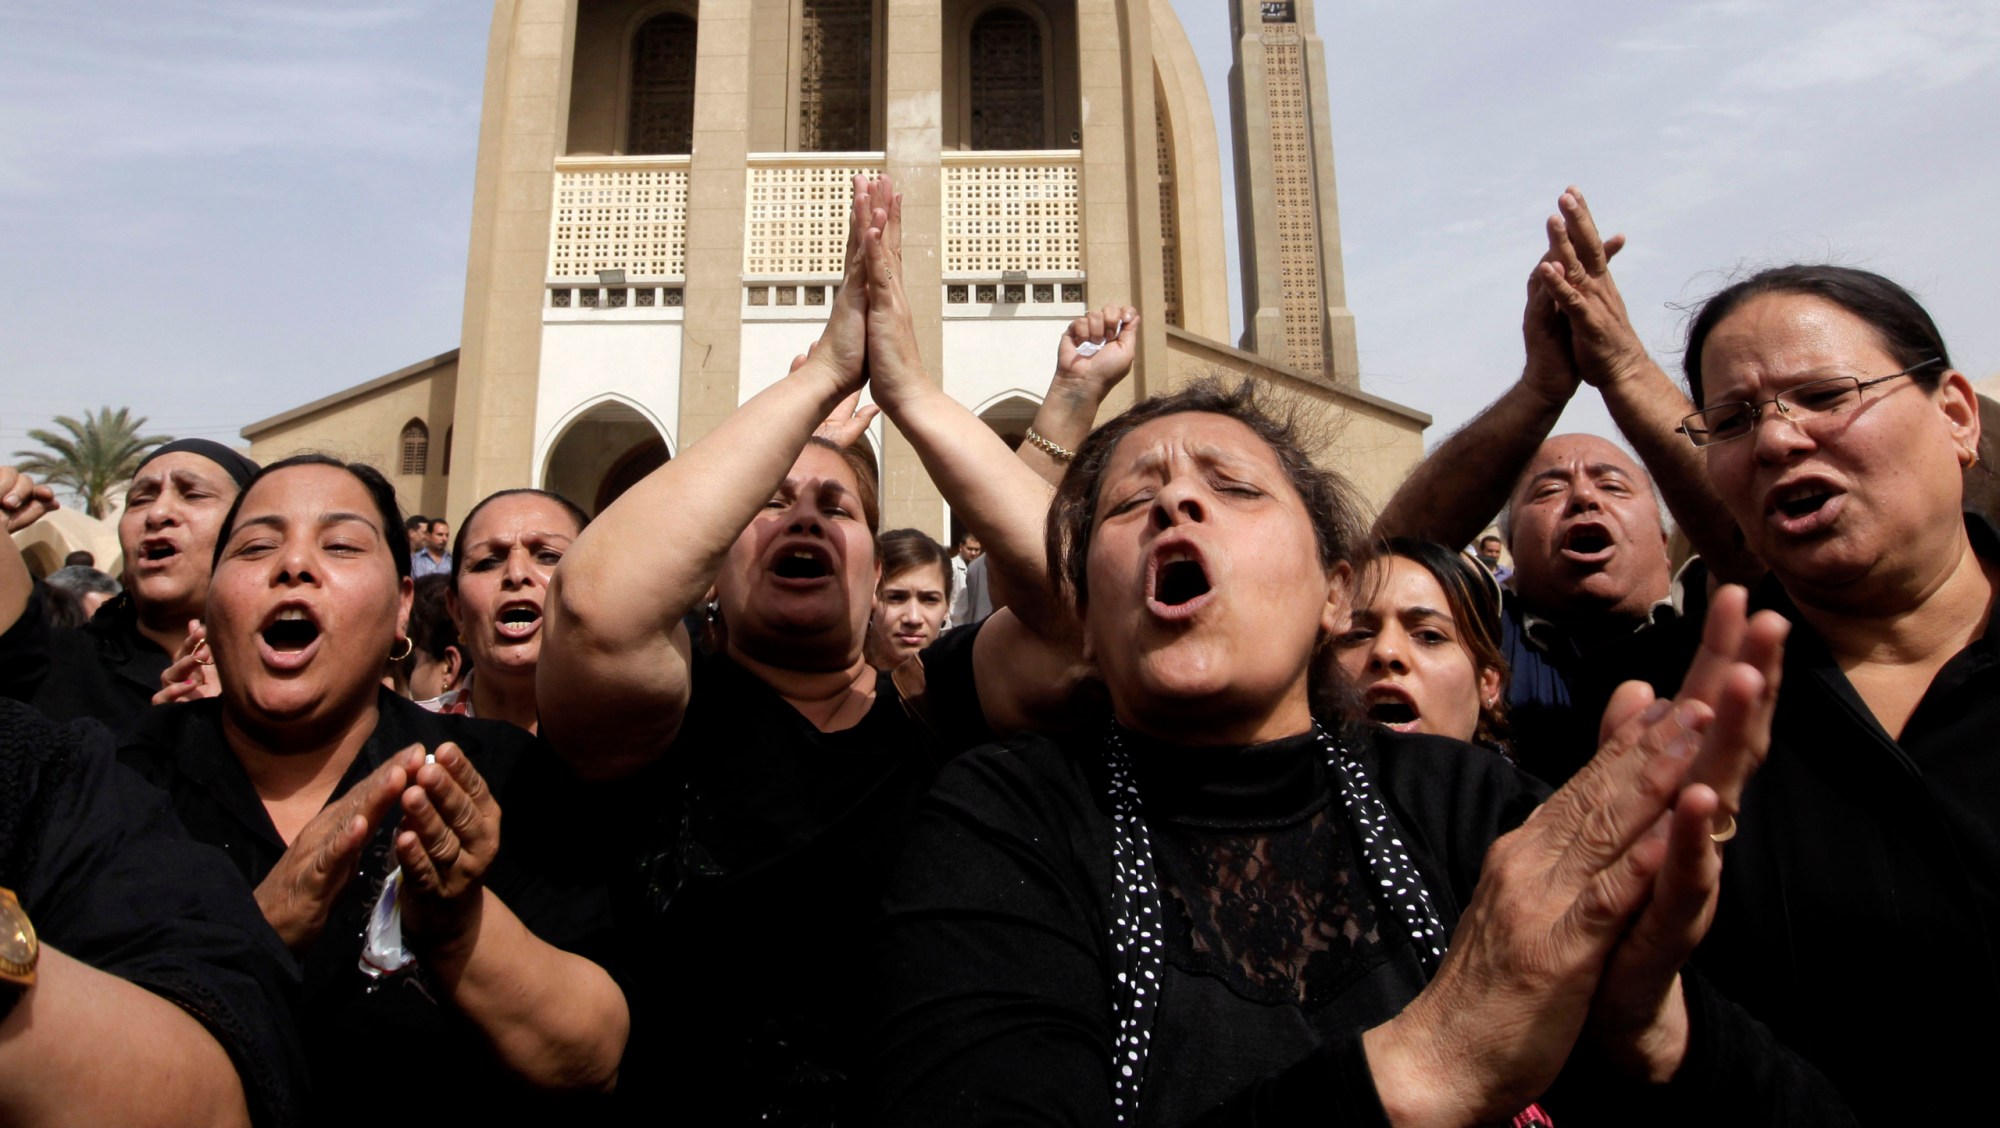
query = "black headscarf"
{"x": 233, "y": 463}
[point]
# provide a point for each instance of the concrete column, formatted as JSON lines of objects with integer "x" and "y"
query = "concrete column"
{"x": 1343, "y": 358}
{"x": 713, "y": 297}
{"x": 1120, "y": 189}
{"x": 521, "y": 132}
{"x": 914, "y": 77}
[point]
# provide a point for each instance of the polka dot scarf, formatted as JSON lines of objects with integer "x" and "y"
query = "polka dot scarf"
{"x": 1136, "y": 922}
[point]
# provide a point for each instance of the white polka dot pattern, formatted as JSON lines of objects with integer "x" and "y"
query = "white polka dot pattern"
{"x": 1396, "y": 879}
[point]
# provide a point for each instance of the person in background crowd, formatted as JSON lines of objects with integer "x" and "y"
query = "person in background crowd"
{"x": 111, "y": 668}
{"x": 1423, "y": 649}
{"x": 317, "y": 782}
{"x": 81, "y": 558}
{"x": 89, "y": 587}
{"x": 418, "y": 527}
{"x": 436, "y": 663}
{"x": 1221, "y": 906}
{"x": 910, "y": 602}
{"x": 433, "y": 560}
{"x": 144, "y": 988}
{"x": 507, "y": 548}
{"x": 962, "y": 555}
{"x": 1489, "y": 555}
{"x": 1830, "y": 423}
{"x": 1580, "y": 518}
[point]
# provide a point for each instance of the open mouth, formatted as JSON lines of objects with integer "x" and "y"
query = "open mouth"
{"x": 158, "y": 550}
{"x": 802, "y": 564}
{"x": 518, "y": 620}
{"x": 1180, "y": 582}
{"x": 1392, "y": 713}
{"x": 1587, "y": 540}
{"x": 291, "y": 632}
{"x": 1804, "y": 501}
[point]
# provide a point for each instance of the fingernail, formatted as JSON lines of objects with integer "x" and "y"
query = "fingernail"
{"x": 1691, "y": 718}
{"x": 1681, "y": 746}
{"x": 1656, "y": 710}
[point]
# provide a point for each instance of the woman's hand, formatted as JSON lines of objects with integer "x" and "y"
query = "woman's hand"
{"x": 191, "y": 676}
{"x": 23, "y": 501}
{"x": 298, "y": 894}
{"x": 450, "y": 836}
{"x": 849, "y": 419}
{"x": 1097, "y": 351}
{"x": 1639, "y": 1017}
{"x": 1560, "y": 894}
{"x": 895, "y": 362}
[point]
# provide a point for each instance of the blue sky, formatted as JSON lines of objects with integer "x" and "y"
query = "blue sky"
{"x": 214, "y": 210}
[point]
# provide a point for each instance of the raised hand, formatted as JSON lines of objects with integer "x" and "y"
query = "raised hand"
{"x": 1577, "y": 274}
{"x": 191, "y": 676}
{"x": 1612, "y": 857}
{"x": 895, "y": 363}
{"x": 299, "y": 892}
{"x": 1552, "y": 368}
{"x": 450, "y": 836}
{"x": 23, "y": 500}
{"x": 849, "y": 419}
{"x": 1097, "y": 351}
{"x": 1639, "y": 1017}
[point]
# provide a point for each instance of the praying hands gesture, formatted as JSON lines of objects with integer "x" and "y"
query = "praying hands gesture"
{"x": 1586, "y": 913}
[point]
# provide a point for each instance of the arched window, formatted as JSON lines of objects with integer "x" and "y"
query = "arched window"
{"x": 662, "y": 103}
{"x": 836, "y": 75}
{"x": 1009, "y": 96}
{"x": 416, "y": 447}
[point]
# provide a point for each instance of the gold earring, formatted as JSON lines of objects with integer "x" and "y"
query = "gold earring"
{"x": 408, "y": 646}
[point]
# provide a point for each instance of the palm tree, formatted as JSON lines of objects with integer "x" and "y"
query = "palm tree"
{"x": 97, "y": 455}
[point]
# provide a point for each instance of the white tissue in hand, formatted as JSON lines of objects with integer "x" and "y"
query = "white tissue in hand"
{"x": 382, "y": 950}
{"x": 1092, "y": 348}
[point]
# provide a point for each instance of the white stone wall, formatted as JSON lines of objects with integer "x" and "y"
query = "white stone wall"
{"x": 635, "y": 358}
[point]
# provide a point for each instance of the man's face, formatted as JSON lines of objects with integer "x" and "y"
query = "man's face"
{"x": 1489, "y": 551}
{"x": 420, "y": 535}
{"x": 1587, "y": 537}
{"x": 440, "y": 537}
{"x": 968, "y": 549}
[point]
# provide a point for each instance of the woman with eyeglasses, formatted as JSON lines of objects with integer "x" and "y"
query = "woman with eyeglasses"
{"x": 1861, "y": 900}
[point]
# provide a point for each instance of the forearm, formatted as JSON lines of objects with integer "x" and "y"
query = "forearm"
{"x": 78, "y": 1027}
{"x": 1647, "y": 406}
{"x": 1459, "y": 487}
{"x": 15, "y": 586}
{"x": 1065, "y": 419}
{"x": 554, "y": 1018}
{"x": 998, "y": 497}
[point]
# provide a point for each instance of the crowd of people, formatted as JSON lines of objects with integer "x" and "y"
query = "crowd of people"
{"x": 1180, "y": 790}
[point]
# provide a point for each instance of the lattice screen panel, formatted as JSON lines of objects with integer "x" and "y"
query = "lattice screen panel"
{"x": 1298, "y": 219}
{"x": 798, "y": 219}
{"x": 1170, "y": 257}
{"x": 632, "y": 219}
{"x": 1011, "y": 216}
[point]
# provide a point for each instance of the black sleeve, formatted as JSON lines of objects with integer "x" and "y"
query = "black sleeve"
{"x": 24, "y": 650}
{"x": 111, "y": 879}
{"x": 993, "y": 960}
{"x": 1735, "y": 1072}
{"x": 951, "y": 690}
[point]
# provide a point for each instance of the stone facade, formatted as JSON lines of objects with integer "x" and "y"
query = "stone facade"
{"x": 659, "y": 209}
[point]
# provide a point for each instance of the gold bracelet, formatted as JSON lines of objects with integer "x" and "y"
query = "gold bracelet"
{"x": 1060, "y": 454}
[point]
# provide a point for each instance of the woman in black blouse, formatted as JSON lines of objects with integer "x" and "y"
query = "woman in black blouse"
{"x": 318, "y": 783}
{"x": 1227, "y": 905}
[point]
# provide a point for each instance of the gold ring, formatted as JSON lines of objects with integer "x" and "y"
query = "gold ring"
{"x": 1726, "y": 833}
{"x": 196, "y": 654}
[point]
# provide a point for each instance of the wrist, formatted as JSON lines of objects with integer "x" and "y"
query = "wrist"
{"x": 1416, "y": 1086}
{"x": 1651, "y": 1052}
{"x": 443, "y": 932}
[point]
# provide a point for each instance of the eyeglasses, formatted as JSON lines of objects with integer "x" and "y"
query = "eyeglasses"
{"x": 1726, "y": 421}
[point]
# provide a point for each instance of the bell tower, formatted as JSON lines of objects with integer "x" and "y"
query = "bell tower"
{"x": 1294, "y": 293}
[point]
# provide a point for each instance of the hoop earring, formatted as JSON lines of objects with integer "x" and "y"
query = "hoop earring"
{"x": 408, "y": 647}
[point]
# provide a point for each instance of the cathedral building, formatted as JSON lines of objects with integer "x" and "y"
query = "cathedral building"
{"x": 659, "y": 217}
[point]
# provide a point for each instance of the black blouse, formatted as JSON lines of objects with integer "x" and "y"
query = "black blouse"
{"x": 105, "y": 669}
{"x": 390, "y": 1048}
{"x": 758, "y": 850}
